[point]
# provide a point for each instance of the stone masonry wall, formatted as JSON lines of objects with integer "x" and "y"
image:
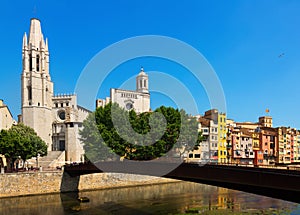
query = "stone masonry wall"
{"x": 34, "y": 183}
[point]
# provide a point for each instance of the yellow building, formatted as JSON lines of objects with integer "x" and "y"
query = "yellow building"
{"x": 255, "y": 139}
{"x": 222, "y": 145}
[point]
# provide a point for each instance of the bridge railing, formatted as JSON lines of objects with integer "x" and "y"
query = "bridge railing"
{"x": 297, "y": 168}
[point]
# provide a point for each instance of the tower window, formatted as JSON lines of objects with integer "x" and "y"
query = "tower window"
{"x": 37, "y": 63}
{"x": 61, "y": 104}
{"x": 56, "y": 105}
{"x": 29, "y": 92}
{"x": 141, "y": 83}
{"x": 30, "y": 62}
{"x": 145, "y": 83}
{"x": 39, "y": 104}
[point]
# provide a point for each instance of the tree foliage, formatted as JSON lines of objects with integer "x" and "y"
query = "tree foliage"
{"x": 21, "y": 141}
{"x": 112, "y": 130}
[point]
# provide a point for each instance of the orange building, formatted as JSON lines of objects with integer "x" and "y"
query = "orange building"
{"x": 268, "y": 144}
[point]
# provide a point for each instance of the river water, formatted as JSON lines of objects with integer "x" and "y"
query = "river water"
{"x": 172, "y": 198}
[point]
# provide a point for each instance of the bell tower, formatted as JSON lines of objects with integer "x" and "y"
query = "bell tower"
{"x": 142, "y": 82}
{"x": 36, "y": 84}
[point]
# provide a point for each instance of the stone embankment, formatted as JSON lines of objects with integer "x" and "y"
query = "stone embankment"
{"x": 35, "y": 183}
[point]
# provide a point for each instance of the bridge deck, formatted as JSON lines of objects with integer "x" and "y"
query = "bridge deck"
{"x": 278, "y": 183}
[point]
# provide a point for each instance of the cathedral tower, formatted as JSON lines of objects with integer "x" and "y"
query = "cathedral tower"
{"x": 142, "y": 82}
{"x": 36, "y": 84}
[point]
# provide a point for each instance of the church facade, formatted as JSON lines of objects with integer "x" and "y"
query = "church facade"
{"x": 56, "y": 119}
{"x": 138, "y": 100}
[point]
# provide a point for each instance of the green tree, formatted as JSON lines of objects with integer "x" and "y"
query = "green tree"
{"x": 21, "y": 141}
{"x": 94, "y": 146}
{"x": 135, "y": 136}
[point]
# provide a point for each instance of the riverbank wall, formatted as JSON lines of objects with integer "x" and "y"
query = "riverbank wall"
{"x": 36, "y": 183}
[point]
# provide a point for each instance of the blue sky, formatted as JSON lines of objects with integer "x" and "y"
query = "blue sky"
{"x": 241, "y": 39}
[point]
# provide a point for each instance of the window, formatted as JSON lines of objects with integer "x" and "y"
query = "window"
{"x": 197, "y": 155}
{"x": 37, "y": 63}
{"x": 61, "y": 104}
{"x": 129, "y": 106}
{"x": 61, "y": 145}
{"x": 190, "y": 155}
{"x": 145, "y": 83}
{"x": 67, "y": 104}
{"x": 56, "y": 104}
{"x": 30, "y": 62}
{"x": 29, "y": 92}
{"x": 62, "y": 115}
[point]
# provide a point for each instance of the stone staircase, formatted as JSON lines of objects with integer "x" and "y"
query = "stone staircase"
{"x": 53, "y": 159}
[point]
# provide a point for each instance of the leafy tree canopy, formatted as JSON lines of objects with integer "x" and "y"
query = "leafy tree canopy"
{"x": 111, "y": 130}
{"x": 21, "y": 141}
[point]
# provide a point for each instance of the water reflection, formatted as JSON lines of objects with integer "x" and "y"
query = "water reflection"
{"x": 173, "y": 198}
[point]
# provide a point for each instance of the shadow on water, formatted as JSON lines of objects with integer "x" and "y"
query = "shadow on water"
{"x": 69, "y": 193}
{"x": 71, "y": 205}
{"x": 69, "y": 199}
